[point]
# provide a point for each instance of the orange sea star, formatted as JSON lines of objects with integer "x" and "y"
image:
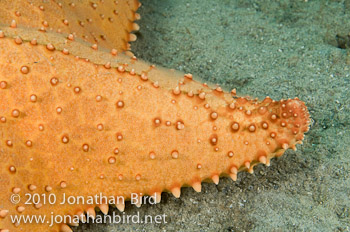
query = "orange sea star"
{"x": 80, "y": 115}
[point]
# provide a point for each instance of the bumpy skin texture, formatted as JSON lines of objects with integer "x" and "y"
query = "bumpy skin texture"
{"x": 107, "y": 23}
{"x": 117, "y": 126}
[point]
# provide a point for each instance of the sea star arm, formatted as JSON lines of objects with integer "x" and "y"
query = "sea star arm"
{"x": 77, "y": 118}
{"x": 108, "y": 23}
{"x": 74, "y": 127}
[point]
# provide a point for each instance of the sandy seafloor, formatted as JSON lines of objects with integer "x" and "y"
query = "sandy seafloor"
{"x": 280, "y": 49}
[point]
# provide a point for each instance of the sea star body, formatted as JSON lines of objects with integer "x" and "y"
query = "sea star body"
{"x": 79, "y": 119}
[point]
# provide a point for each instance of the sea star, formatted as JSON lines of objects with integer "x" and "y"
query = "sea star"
{"x": 78, "y": 117}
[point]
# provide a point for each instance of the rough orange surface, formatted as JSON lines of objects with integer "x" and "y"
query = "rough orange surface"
{"x": 78, "y": 120}
{"x": 107, "y": 23}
